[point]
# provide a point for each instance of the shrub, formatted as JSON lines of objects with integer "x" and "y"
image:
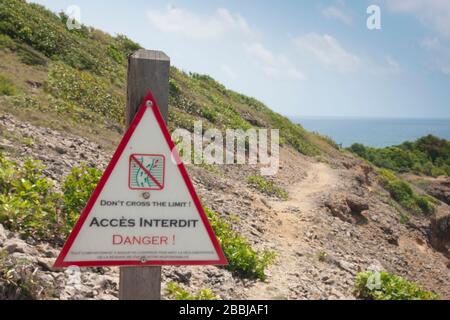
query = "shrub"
{"x": 125, "y": 46}
{"x": 402, "y": 193}
{"x": 385, "y": 286}
{"x": 115, "y": 54}
{"x": 230, "y": 110}
{"x": 241, "y": 256}
{"x": 85, "y": 90}
{"x": 7, "y": 87}
{"x": 175, "y": 291}
{"x": 267, "y": 187}
{"x": 77, "y": 187}
{"x": 6, "y": 42}
{"x": 209, "y": 114}
{"x": 428, "y": 155}
{"x": 174, "y": 89}
{"x": 359, "y": 150}
{"x": 425, "y": 204}
{"x": 28, "y": 203}
{"x": 30, "y": 56}
{"x": 46, "y": 32}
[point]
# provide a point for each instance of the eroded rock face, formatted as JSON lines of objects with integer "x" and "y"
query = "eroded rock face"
{"x": 348, "y": 208}
{"x": 440, "y": 234}
{"x": 440, "y": 190}
{"x": 357, "y": 204}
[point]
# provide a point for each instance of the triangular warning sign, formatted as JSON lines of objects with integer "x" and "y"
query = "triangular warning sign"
{"x": 144, "y": 210}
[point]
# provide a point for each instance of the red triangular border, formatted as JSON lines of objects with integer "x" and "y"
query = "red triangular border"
{"x": 60, "y": 263}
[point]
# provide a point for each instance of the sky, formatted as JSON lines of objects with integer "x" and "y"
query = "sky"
{"x": 301, "y": 58}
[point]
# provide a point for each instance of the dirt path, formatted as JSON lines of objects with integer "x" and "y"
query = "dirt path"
{"x": 320, "y": 177}
{"x": 288, "y": 234}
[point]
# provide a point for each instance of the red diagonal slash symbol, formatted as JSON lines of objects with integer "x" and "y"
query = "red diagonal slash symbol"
{"x": 148, "y": 173}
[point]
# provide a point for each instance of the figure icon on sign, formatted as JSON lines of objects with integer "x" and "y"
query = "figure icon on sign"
{"x": 146, "y": 172}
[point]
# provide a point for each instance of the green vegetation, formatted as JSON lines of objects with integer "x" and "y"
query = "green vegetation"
{"x": 90, "y": 93}
{"x": 385, "y": 286}
{"x": 83, "y": 73}
{"x": 27, "y": 201}
{"x": 26, "y": 54}
{"x": 201, "y": 97}
{"x": 19, "y": 281}
{"x": 242, "y": 258}
{"x": 30, "y": 205}
{"x": 428, "y": 155}
{"x": 267, "y": 187}
{"x": 77, "y": 188}
{"x": 7, "y": 87}
{"x": 176, "y": 292}
{"x": 322, "y": 256}
{"x": 87, "y": 73}
{"x": 403, "y": 193}
{"x": 45, "y": 32}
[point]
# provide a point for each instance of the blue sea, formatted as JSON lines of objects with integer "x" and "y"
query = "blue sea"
{"x": 375, "y": 132}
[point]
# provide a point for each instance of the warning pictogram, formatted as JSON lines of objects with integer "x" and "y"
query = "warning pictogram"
{"x": 146, "y": 172}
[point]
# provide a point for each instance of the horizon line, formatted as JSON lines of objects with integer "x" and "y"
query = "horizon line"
{"x": 291, "y": 117}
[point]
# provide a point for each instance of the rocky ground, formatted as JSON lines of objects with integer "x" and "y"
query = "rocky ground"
{"x": 337, "y": 222}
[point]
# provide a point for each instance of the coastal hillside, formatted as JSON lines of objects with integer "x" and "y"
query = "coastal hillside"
{"x": 322, "y": 228}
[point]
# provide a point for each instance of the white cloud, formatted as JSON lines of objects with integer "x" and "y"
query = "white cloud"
{"x": 388, "y": 66}
{"x": 219, "y": 24}
{"x": 258, "y": 51}
{"x": 440, "y": 54}
{"x": 434, "y": 13}
{"x": 195, "y": 26}
{"x": 296, "y": 74}
{"x": 432, "y": 44}
{"x": 229, "y": 72}
{"x": 329, "y": 52}
{"x": 273, "y": 65}
{"x": 392, "y": 65}
{"x": 338, "y": 13}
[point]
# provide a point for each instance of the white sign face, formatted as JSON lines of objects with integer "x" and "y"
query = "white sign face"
{"x": 144, "y": 210}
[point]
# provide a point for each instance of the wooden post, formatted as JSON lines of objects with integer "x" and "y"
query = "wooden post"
{"x": 147, "y": 70}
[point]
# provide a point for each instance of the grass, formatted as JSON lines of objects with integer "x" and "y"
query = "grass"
{"x": 176, "y": 292}
{"x": 18, "y": 278}
{"x": 322, "y": 256}
{"x": 39, "y": 111}
{"x": 91, "y": 94}
{"x": 7, "y": 87}
{"x": 386, "y": 286}
{"x": 16, "y": 137}
{"x": 267, "y": 187}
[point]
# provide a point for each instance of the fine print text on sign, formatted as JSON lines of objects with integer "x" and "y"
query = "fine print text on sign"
{"x": 144, "y": 210}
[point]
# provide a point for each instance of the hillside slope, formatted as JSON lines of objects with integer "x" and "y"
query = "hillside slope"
{"x": 62, "y": 95}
